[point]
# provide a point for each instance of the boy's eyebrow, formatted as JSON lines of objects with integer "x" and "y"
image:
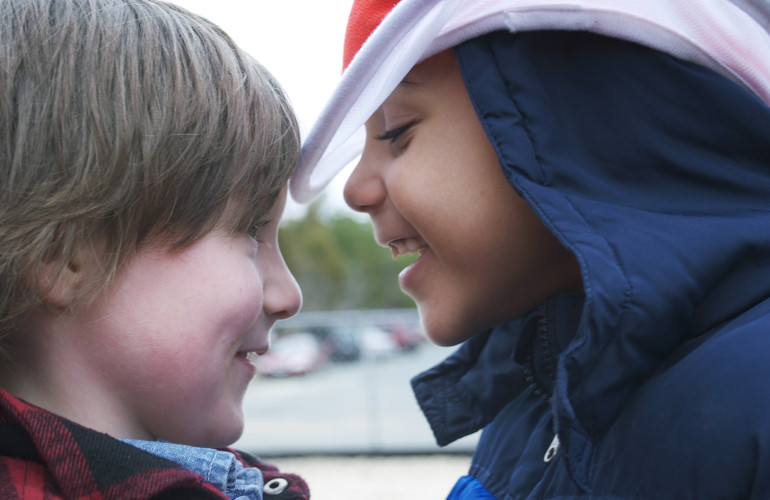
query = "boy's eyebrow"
{"x": 408, "y": 83}
{"x": 407, "y": 86}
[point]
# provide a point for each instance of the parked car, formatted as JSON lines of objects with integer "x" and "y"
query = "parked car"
{"x": 407, "y": 337}
{"x": 376, "y": 343}
{"x": 343, "y": 344}
{"x": 293, "y": 354}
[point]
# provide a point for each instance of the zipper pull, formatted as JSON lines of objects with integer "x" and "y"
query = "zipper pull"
{"x": 552, "y": 450}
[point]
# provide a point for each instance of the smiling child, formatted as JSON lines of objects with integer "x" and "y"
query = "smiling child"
{"x": 587, "y": 187}
{"x": 144, "y": 168}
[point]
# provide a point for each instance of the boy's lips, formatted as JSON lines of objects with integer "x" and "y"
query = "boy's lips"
{"x": 251, "y": 353}
{"x": 248, "y": 360}
{"x": 250, "y": 356}
{"x": 407, "y": 246}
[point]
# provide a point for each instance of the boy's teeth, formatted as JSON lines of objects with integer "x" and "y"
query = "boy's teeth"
{"x": 406, "y": 247}
{"x": 250, "y": 355}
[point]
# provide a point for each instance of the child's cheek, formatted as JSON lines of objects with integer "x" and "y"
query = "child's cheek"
{"x": 245, "y": 307}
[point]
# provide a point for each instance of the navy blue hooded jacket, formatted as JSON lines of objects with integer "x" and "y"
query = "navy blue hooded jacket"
{"x": 655, "y": 173}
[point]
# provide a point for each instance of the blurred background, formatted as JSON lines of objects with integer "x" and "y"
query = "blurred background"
{"x": 332, "y": 400}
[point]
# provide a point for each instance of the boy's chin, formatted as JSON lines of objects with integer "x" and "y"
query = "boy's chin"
{"x": 220, "y": 437}
{"x": 219, "y": 441}
{"x": 443, "y": 329}
{"x": 223, "y": 440}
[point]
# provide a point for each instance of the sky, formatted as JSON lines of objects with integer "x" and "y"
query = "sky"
{"x": 298, "y": 41}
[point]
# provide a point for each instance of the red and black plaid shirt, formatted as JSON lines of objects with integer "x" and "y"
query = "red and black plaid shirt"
{"x": 44, "y": 456}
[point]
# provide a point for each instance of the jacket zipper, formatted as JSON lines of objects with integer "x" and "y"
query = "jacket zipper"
{"x": 552, "y": 450}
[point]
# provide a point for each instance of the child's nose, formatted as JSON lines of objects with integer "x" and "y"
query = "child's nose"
{"x": 364, "y": 189}
{"x": 283, "y": 297}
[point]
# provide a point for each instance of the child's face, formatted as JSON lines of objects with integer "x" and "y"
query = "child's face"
{"x": 170, "y": 336}
{"x": 430, "y": 180}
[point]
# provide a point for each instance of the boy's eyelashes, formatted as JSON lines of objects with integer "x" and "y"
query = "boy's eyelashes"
{"x": 394, "y": 134}
{"x": 254, "y": 229}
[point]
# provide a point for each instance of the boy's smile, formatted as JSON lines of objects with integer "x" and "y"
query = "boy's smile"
{"x": 168, "y": 349}
{"x": 406, "y": 246}
{"x": 432, "y": 184}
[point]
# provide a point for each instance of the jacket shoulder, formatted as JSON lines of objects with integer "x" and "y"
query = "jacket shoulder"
{"x": 701, "y": 425}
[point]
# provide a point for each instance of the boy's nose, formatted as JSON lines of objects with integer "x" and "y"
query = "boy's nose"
{"x": 283, "y": 297}
{"x": 364, "y": 189}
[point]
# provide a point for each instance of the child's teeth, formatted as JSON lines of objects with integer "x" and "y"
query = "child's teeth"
{"x": 406, "y": 247}
{"x": 249, "y": 355}
{"x": 412, "y": 245}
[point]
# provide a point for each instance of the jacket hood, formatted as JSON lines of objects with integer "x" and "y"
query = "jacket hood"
{"x": 655, "y": 173}
{"x": 386, "y": 38}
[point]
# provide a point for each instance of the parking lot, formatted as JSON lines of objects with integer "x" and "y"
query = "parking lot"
{"x": 354, "y": 408}
{"x": 353, "y": 429}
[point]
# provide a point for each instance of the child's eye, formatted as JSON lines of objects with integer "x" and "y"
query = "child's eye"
{"x": 395, "y": 134}
{"x": 253, "y": 231}
{"x": 256, "y": 229}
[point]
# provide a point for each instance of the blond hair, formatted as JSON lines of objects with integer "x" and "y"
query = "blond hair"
{"x": 125, "y": 123}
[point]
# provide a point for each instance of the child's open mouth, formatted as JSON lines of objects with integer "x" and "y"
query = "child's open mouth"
{"x": 250, "y": 356}
{"x": 407, "y": 246}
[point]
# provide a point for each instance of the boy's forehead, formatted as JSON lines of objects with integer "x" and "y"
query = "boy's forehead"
{"x": 426, "y": 73}
{"x": 407, "y": 89}
{"x": 432, "y": 68}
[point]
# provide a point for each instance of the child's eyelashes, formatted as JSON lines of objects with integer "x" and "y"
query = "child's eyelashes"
{"x": 393, "y": 135}
{"x": 254, "y": 230}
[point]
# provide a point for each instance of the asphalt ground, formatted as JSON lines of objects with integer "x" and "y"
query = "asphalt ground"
{"x": 354, "y": 431}
{"x": 383, "y": 477}
{"x": 361, "y": 408}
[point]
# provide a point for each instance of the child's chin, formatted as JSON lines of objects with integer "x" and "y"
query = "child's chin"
{"x": 235, "y": 433}
{"x": 222, "y": 436}
{"x": 221, "y": 441}
{"x": 440, "y": 326}
{"x": 441, "y": 332}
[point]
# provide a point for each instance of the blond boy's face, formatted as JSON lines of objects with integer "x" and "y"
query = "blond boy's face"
{"x": 166, "y": 345}
{"x": 431, "y": 181}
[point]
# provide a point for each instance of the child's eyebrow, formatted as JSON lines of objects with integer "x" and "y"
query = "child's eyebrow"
{"x": 408, "y": 83}
{"x": 405, "y": 87}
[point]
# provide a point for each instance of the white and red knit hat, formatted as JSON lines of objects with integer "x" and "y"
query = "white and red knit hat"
{"x": 386, "y": 38}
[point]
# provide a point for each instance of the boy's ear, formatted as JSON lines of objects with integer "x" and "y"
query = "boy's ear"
{"x": 61, "y": 291}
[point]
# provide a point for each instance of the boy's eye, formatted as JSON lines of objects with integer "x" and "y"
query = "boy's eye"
{"x": 257, "y": 229}
{"x": 253, "y": 230}
{"x": 393, "y": 135}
